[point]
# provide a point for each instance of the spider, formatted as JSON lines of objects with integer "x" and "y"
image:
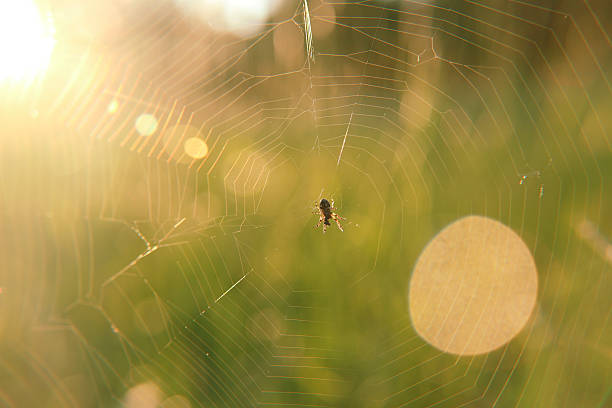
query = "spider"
{"x": 326, "y": 212}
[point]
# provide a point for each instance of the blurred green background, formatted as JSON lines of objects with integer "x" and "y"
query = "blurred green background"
{"x": 135, "y": 273}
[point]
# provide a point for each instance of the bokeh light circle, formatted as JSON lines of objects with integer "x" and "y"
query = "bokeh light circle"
{"x": 145, "y": 395}
{"x": 146, "y": 124}
{"x": 473, "y": 288}
{"x": 196, "y": 148}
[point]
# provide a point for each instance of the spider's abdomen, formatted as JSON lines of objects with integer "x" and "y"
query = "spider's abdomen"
{"x": 326, "y": 213}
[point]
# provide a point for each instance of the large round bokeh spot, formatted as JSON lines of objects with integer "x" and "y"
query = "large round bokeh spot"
{"x": 473, "y": 287}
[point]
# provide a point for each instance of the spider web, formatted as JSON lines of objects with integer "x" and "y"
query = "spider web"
{"x": 135, "y": 274}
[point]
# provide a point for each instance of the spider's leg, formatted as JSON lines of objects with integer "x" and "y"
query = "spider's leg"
{"x": 324, "y": 228}
{"x": 319, "y": 223}
{"x": 335, "y": 217}
{"x": 333, "y": 208}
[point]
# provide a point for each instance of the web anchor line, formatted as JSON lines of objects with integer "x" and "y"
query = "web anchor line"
{"x": 308, "y": 34}
{"x": 344, "y": 141}
{"x": 231, "y": 287}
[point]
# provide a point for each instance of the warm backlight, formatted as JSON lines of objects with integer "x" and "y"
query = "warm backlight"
{"x": 26, "y": 40}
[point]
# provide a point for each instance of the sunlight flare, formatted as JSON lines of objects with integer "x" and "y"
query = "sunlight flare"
{"x": 26, "y": 40}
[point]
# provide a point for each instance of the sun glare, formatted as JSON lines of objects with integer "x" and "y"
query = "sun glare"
{"x": 242, "y": 17}
{"x": 26, "y": 40}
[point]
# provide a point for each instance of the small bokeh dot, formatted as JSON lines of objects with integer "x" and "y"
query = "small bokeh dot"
{"x": 196, "y": 147}
{"x": 146, "y": 124}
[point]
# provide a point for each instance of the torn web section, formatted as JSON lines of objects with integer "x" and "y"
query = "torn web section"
{"x": 165, "y": 317}
{"x": 160, "y": 306}
{"x": 203, "y": 345}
